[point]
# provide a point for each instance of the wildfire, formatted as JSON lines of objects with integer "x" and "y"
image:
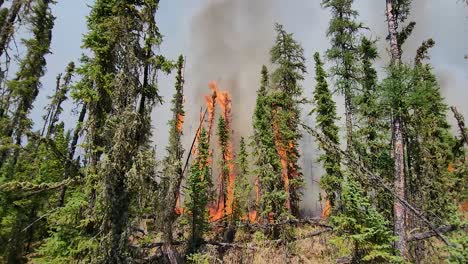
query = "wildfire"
{"x": 284, "y": 161}
{"x": 327, "y": 210}
{"x": 180, "y": 122}
{"x": 223, "y": 206}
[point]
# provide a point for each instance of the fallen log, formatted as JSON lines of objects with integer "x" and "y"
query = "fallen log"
{"x": 432, "y": 233}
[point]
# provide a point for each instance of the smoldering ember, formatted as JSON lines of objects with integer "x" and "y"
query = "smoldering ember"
{"x": 233, "y": 131}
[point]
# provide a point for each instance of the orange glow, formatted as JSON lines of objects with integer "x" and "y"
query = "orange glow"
{"x": 282, "y": 152}
{"x": 327, "y": 210}
{"x": 180, "y": 122}
{"x": 223, "y": 206}
{"x": 178, "y": 209}
{"x": 451, "y": 168}
{"x": 463, "y": 207}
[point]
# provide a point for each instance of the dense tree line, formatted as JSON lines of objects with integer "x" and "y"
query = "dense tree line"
{"x": 396, "y": 169}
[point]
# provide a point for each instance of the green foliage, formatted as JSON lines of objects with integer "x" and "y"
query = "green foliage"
{"x": 243, "y": 188}
{"x": 268, "y": 166}
{"x": 365, "y": 227}
{"x": 288, "y": 57}
{"x": 459, "y": 249}
{"x": 198, "y": 258}
{"x": 198, "y": 196}
{"x": 325, "y": 110}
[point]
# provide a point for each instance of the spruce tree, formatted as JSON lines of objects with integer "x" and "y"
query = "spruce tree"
{"x": 366, "y": 229}
{"x": 173, "y": 170}
{"x": 397, "y": 11}
{"x": 288, "y": 55}
{"x": 268, "y": 166}
{"x": 243, "y": 188}
{"x": 197, "y": 199}
{"x": 344, "y": 53}
{"x": 24, "y": 88}
{"x": 325, "y": 110}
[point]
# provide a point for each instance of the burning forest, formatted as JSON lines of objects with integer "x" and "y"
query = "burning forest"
{"x": 361, "y": 164}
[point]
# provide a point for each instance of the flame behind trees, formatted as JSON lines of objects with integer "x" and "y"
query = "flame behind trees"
{"x": 288, "y": 55}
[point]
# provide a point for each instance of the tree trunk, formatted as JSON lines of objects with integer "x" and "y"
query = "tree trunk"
{"x": 392, "y": 31}
{"x": 7, "y": 28}
{"x": 399, "y": 186}
{"x": 71, "y": 154}
{"x": 398, "y": 144}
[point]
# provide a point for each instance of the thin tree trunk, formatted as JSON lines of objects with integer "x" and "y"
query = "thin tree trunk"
{"x": 7, "y": 28}
{"x": 398, "y": 143}
{"x": 71, "y": 154}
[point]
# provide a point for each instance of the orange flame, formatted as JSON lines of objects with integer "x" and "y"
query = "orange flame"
{"x": 180, "y": 122}
{"x": 282, "y": 152}
{"x": 451, "y": 168}
{"x": 327, "y": 210}
{"x": 224, "y": 204}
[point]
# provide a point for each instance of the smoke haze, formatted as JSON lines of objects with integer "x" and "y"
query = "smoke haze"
{"x": 229, "y": 40}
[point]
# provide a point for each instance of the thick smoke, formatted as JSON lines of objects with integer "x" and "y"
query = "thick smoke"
{"x": 229, "y": 40}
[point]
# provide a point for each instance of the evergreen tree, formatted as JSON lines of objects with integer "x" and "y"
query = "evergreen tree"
{"x": 372, "y": 135}
{"x": 24, "y": 88}
{"x": 197, "y": 199}
{"x": 344, "y": 52}
{"x": 367, "y": 230}
{"x": 243, "y": 188}
{"x": 287, "y": 55}
{"x": 223, "y": 141}
{"x": 267, "y": 161}
{"x": 173, "y": 171}
{"x": 397, "y": 11}
{"x": 325, "y": 110}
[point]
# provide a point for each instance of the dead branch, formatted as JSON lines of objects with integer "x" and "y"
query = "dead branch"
{"x": 308, "y": 221}
{"x": 429, "y": 234}
{"x": 350, "y": 161}
{"x": 461, "y": 124}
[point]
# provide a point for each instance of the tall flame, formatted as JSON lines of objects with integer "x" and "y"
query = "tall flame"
{"x": 282, "y": 152}
{"x": 327, "y": 210}
{"x": 224, "y": 204}
{"x": 180, "y": 122}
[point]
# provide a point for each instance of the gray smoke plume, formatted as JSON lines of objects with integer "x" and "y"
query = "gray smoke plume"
{"x": 229, "y": 40}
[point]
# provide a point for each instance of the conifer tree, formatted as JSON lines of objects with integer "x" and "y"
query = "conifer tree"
{"x": 197, "y": 199}
{"x": 325, "y": 110}
{"x": 223, "y": 140}
{"x": 287, "y": 55}
{"x": 267, "y": 161}
{"x": 173, "y": 170}
{"x": 55, "y": 107}
{"x": 372, "y": 135}
{"x": 24, "y": 88}
{"x": 243, "y": 188}
{"x": 397, "y": 11}
{"x": 344, "y": 53}
{"x": 367, "y": 230}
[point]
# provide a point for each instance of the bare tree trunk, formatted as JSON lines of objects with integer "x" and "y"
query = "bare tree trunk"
{"x": 399, "y": 186}
{"x": 398, "y": 144}
{"x": 7, "y": 28}
{"x": 392, "y": 30}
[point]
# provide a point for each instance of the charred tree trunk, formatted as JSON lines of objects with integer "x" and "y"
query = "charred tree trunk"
{"x": 398, "y": 142}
